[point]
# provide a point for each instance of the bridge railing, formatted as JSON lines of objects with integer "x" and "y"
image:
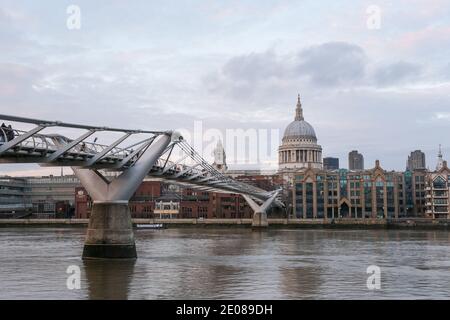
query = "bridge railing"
{"x": 47, "y": 144}
{"x": 46, "y": 148}
{"x": 35, "y": 142}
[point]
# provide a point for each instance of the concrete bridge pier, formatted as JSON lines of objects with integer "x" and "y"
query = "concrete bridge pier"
{"x": 110, "y": 233}
{"x": 260, "y": 220}
{"x": 260, "y": 211}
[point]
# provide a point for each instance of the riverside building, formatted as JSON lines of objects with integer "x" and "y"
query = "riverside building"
{"x": 437, "y": 190}
{"x": 38, "y": 197}
{"x": 14, "y": 199}
{"x": 372, "y": 193}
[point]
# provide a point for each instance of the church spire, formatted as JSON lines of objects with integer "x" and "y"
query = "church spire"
{"x": 299, "y": 110}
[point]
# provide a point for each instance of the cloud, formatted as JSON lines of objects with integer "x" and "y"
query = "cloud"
{"x": 253, "y": 67}
{"x": 333, "y": 63}
{"x": 323, "y": 67}
{"x": 8, "y": 16}
{"x": 428, "y": 37}
{"x": 441, "y": 116}
{"x": 16, "y": 79}
{"x": 263, "y": 75}
{"x": 444, "y": 72}
{"x": 396, "y": 73}
{"x": 211, "y": 62}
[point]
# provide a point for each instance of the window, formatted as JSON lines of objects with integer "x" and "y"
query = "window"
{"x": 439, "y": 183}
{"x": 419, "y": 178}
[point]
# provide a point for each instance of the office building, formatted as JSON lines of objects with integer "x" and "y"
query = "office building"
{"x": 355, "y": 161}
{"x": 373, "y": 193}
{"x": 14, "y": 199}
{"x": 416, "y": 160}
{"x": 330, "y": 163}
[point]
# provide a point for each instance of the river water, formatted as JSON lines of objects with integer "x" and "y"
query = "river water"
{"x": 226, "y": 263}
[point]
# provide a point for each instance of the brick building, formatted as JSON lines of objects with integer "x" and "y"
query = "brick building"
{"x": 182, "y": 202}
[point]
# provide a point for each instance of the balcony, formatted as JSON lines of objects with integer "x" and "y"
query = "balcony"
{"x": 441, "y": 212}
{"x": 441, "y": 188}
{"x": 441, "y": 215}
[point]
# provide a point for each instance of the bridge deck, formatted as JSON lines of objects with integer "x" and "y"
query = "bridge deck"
{"x": 18, "y": 146}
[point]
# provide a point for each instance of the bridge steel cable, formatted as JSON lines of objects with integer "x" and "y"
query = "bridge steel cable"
{"x": 110, "y": 234}
{"x": 217, "y": 180}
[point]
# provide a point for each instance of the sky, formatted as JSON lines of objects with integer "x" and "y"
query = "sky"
{"x": 373, "y": 76}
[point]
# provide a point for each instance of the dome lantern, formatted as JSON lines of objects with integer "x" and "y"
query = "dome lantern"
{"x": 299, "y": 110}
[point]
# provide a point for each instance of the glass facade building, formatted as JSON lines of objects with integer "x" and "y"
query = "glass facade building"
{"x": 373, "y": 193}
{"x": 330, "y": 163}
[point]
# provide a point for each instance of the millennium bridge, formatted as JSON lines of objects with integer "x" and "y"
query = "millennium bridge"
{"x": 111, "y": 173}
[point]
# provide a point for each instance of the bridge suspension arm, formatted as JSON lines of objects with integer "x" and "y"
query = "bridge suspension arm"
{"x": 139, "y": 151}
{"x": 105, "y": 151}
{"x": 63, "y": 149}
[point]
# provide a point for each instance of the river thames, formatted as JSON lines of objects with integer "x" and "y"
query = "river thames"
{"x": 230, "y": 263}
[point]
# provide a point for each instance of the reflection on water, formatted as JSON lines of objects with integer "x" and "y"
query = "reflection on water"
{"x": 230, "y": 264}
{"x": 108, "y": 279}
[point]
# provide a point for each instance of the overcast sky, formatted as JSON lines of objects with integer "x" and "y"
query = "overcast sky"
{"x": 237, "y": 64}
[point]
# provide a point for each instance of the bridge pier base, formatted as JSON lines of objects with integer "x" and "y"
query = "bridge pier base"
{"x": 260, "y": 220}
{"x": 260, "y": 211}
{"x": 110, "y": 232}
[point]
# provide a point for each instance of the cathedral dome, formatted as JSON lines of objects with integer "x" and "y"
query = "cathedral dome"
{"x": 299, "y": 129}
{"x": 299, "y": 148}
